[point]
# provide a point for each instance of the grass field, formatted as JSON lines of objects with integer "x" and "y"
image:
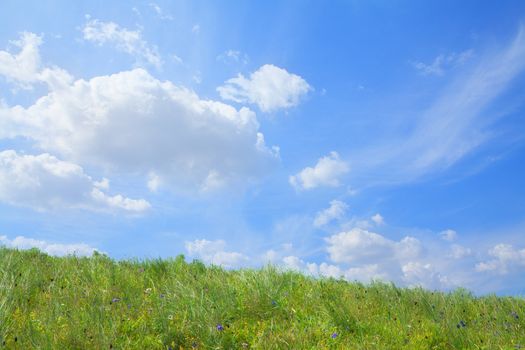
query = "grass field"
{"x": 96, "y": 303}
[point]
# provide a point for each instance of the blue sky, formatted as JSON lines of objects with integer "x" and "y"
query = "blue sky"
{"x": 369, "y": 140}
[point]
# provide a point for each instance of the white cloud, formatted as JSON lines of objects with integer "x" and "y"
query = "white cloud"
{"x": 326, "y": 172}
{"x": 269, "y": 87}
{"x": 24, "y": 69}
{"x": 362, "y": 255}
{"x": 378, "y": 219}
{"x": 160, "y": 13}
{"x": 362, "y": 246}
{"x": 366, "y": 273}
{"x": 133, "y": 123}
{"x": 443, "y": 62}
{"x": 459, "y": 252}
{"x": 448, "y": 235}
{"x": 213, "y": 252}
{"x": 21, "y": 242}
{"x": 293, "y": 263}
{"x": 44, "y": 182}
{"x": 24, "y": 66}
{"x": 416, "y": 273}
{"x": 125, "y": 40}
{"x": 326, "y": 270}
{"x": 154, "y": 182}
{"x": 177, "y": 59}
{"x": 336, "y": 211}
{"x": 233, "y": 56}
{"x": 505, "y": 259}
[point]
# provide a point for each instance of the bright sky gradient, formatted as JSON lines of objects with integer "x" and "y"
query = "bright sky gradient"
{"x": 363, "y": 139}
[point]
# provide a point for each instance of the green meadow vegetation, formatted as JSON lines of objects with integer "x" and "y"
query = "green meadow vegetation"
{"x": 97, "y": 303}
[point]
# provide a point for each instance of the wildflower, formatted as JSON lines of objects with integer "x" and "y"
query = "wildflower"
{"x": 334, "y": 335}
{"x": 115, "y": 300}
{"x": 461, "y": 324}
{"x": 170, "y": 317}
{"x": 147, "y": 291}
{"x": 220, "y": 327}
{"x": 274, "y": 303}
{"x": 244, "y": 345}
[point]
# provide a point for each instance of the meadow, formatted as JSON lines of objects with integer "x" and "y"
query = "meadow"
{"x": 97, "y": 303}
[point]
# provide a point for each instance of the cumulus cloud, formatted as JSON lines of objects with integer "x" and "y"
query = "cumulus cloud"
{"x": 125, "y": 40}
{"x": 45, "y": 182}
{"x": 57, "y": 249}
{"x": 370, "y": 255}
{"x": 362, "y": 255}
{"x": 336, "y": 211}
{"x": 214, "y": 252}
{"x": 133, "y": 123}
{"x": 505, "y": 258}
{"x": 269, "y": 87}
{"x": 359, "y": 245}
{"x": 417, "y": 273}
{"x": 24, "y": 68}
{"x": 326, "y": 172}
{"x": 378, "y": 219}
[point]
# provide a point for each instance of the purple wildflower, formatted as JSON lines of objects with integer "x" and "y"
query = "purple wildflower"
{"x": 220, "y": 327}
{"x": 115, "y": 300}
{"x": 334, "y": 335}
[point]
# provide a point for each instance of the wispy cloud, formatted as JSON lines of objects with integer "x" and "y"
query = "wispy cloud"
{"x": 453, "y": 126}
{"x": 233, "y": 56}
{"x": 161, "y": 13}
{"x": 125, "y": 40}
{"x": 443, "y": 62}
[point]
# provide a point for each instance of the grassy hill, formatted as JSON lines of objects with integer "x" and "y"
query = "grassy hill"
{"x": 96, "y": 303}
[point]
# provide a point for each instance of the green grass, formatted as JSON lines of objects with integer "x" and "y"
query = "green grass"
{"x": 69, "y": 303}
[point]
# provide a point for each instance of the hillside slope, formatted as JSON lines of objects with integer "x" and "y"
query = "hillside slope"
{"x": 96, "y": 303}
